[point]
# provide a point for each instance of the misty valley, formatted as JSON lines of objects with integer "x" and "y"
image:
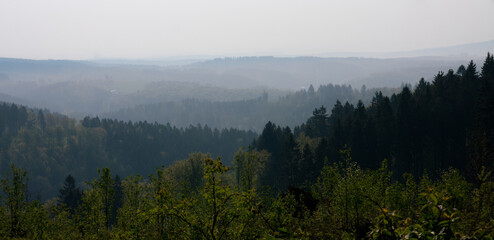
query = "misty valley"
{"x": 248, "y": 148}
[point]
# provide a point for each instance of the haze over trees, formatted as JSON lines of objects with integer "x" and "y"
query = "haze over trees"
{"x": 291, "y": 109}
{"x": 427, "y": 129}
{"x": 416, "y": 164}
{"x": 243, "y": 120}
{"x": 51, "y": 146}
{"x": 81, "y": 88}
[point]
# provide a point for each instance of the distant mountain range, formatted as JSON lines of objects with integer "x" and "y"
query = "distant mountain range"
{"x": 92, "y": 87}
{"x": 471, "y": 50}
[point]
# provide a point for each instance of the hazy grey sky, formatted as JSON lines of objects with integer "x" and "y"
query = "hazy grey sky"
{"x": 84, "y": 29}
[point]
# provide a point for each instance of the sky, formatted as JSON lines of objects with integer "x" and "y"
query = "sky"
{"x": 140, "y": 29}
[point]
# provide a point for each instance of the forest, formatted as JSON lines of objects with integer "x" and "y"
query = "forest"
{"x": 50, "y": 146}
{"x": 289, "y": 110}
{"x": 92, "y": 87}
{"x": 414, "y": 165}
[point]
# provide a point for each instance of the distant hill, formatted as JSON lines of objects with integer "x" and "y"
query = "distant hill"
{"x": 290, "y": 110}
{"x": 11, "y": 99}
{"x": 300, "y": 72}
{"x": 39, "y": 66}
{"x": 80, "y": 88}
{"x": 476, "y": 50}
{"x": 471, "y": 50}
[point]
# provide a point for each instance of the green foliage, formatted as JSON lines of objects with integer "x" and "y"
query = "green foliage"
{"x": 431, "y": 127}
{"x": 188, "y": 174}
{"x": 58, "y": 146}
{"x": 14, "y": 189}
{"x": 134, "y": 215}
{"x": 97, "y": 203}
{"x": 479, "y": 215}
{"x": 163, "y": 199}
{"x": 432, "y": 220}
{"x": 199, "y": 198}
{"x": 61, "y": 223}
{"x": 349, "y": 198}
{"x": 219, "y": 211}
{"x": 248, "y": 166}
{"x": 36, "y": 221}
{"x": 281, "y": 221}
{"x": 352, "y": 203}
{"x": 70, "y": 196}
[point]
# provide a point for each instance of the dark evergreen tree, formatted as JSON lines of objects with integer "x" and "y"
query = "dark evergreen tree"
{"x": 384, "y": 124}
{"x": 461, "y": 70}
{"x": 118, "y": 201}
{"x": 317, "y": 125}
{"x": 311, "y": 91}
{"x": 321, "y": 155}
{"x": 70, "y": 195}
{"x": 404, "y": 128}
{"x": 481, "y": 141}
{"x": 289, "y": 162}
{"x": 307, "y": 169}
{"x": 488, "y": 69}
{"x": 358, "y": 136}
{"x": 41, "y": 120}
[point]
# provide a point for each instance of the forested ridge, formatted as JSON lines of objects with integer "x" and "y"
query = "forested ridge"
{"x": 416, "y": 165}
{"x": 291, "y": 109}
{"x": 446, "y": 123}
{"x": 51, "y": 146}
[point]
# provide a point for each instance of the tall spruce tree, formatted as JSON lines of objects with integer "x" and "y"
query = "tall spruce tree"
{"x": 70, "y": 195}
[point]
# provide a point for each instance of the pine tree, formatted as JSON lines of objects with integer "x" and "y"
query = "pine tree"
{"x": 488, "y": 69}
{"x": 15, "y": 190}
{"x": 317, "y": 125}
{"x": 118, "y": 198}
{"x": 70, "y": 195}
{"x": 41, "y": 120}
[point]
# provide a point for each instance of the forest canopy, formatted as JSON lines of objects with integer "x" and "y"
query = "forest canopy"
{"x": 415, "y": 165}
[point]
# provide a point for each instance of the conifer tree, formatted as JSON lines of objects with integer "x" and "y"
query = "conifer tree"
{"x": 70, "y": 195}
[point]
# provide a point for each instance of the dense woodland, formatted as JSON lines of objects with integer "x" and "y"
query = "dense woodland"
{"x": 81, "y": 88}
{"x": 416, "y": 165}
{"x": 290, "y": 110}
{"x": 50, "y": 146}
{"x": 446, "y": 123}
